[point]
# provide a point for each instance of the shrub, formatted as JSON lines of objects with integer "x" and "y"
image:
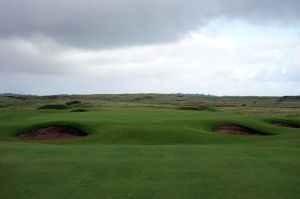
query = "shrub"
{"x": 73, "y": 102}
{"x": 79, "y": 110}
{"x": 148, "y": 97}
{"x": 54, "y": 106}
{"x": 198, "y": 108}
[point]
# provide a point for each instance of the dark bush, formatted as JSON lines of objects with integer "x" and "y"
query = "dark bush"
{"x": 73, "y": 102}
{"x": 79, "y": 110}
{"x": 197, "y": 108}
{"x": 16, "y": 97}
{"x": 54, "y": 106}
{"x": 148, "y": 97}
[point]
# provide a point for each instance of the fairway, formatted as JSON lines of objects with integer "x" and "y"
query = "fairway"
{"x": 140, "y": 152}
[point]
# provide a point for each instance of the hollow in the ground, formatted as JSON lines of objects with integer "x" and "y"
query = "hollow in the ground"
{"x": 53, "y": 132}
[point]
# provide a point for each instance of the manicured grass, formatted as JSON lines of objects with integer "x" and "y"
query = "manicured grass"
{"x": 148, "y": 153}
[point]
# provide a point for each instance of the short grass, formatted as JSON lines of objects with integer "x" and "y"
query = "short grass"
{"x": 148, "y": 153}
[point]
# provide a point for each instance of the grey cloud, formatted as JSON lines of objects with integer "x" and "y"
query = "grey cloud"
{"x": 27, "y": 57}
{"x": 110, "y": 23}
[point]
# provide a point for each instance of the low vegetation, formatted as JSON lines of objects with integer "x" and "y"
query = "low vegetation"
{"x": 197, "y": 108}
{"x": 80, "y": 110}
{"x": 54, "y": 106}
{"x": 73, "y": 102}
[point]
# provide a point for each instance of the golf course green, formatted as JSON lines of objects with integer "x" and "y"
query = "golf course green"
{"x": 147, "y": 153}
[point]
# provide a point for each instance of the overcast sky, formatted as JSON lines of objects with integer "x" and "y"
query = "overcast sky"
{"x": 220, "y": 47}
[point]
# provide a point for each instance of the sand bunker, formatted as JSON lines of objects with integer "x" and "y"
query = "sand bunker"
{"x": 53, "y": 132}
{"x": 285, "y": 124}
{"x": 231, "y": 129}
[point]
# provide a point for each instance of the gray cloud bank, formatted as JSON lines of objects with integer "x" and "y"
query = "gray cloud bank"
{"x": 110, "y": 23}
{"x": 113, "y": 46}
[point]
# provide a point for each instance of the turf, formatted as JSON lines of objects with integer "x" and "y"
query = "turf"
{"x": 148, "y": 153}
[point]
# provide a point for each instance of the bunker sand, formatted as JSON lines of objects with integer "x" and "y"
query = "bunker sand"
{"x": 53, "y": 132}
{"x": 232, "y": 129}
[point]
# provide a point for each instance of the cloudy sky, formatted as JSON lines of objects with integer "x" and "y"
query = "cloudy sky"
{"x": 220, "y": 47}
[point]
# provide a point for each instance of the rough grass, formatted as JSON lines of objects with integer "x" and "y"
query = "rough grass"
{"x": 289, "y": 107}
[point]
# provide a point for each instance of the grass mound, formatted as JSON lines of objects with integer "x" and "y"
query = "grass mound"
{"x": 53, "y": 132}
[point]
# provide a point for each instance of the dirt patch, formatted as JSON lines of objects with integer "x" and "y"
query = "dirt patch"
{"x": 285, "y": 124}
{"x": 232, "y": 129}
{"x": 53, "y": 132}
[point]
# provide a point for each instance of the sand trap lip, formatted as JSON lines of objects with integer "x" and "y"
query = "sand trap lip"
{"x": 286, "y": 124}
{"x": 53, "y": 132}
{"x": 233, "y": 129}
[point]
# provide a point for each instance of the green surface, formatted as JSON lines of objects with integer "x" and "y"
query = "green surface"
{"x": 148, "y": 153}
